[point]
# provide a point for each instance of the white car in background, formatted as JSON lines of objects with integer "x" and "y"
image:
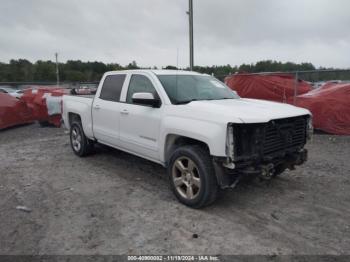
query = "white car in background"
{"x": 11, "y": 91}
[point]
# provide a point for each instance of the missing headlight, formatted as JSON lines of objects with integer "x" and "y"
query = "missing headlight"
{"x": 309, "y": 129}
{"x": 229, "y": 141}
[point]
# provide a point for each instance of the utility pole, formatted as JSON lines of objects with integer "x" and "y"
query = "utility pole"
{"x": 190, "y": 16}
{"x": 57, "y": 71}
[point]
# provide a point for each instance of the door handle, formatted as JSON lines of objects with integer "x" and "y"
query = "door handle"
{"x": 97, "y": 106}
{"x": 124, "y": 112}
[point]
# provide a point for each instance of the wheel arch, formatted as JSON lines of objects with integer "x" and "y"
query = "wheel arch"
{"x": 73, "y": 117}
{"x": 173, "y": 141}
{"x": 86, "y": 125}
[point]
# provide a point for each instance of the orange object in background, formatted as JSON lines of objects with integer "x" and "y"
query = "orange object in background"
{"x": 13, "y": 112}
{"x": 273, "y": 87}
{"x": 45, "y": 104}
{"x": 330, "y": 107}
{"x": 329, "y": 104}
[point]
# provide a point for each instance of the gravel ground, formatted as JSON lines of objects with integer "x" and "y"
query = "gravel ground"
{"x": 116, "y": 203}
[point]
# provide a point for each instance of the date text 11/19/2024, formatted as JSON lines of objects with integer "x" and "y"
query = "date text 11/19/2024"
{"x": 173, "y": 258}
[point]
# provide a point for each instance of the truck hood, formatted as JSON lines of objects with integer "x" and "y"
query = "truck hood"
{"x": 241, "y": 110}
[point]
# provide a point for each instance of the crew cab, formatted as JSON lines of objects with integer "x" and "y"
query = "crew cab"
{"x": 206, "y": 136}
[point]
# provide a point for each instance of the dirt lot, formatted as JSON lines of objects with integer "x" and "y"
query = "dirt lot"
{"x": 116, "y": 203}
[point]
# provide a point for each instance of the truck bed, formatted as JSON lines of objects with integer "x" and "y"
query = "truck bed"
{"x": 85, "y": 96}
{"x": 80, "y": 105}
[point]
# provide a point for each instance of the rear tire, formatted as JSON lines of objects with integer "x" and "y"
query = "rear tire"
{"x": 81, "y": 145}
{"x": 192, "y": 176}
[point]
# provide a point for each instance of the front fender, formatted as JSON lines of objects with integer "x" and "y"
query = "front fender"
{"x": 213, "y": 134}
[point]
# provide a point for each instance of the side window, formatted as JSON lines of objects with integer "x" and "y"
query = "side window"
{"x": 112, "y": 87}
{"x": 140, "y": 83}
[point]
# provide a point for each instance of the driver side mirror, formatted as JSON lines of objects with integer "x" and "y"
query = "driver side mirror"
{"x": 146, "y": 99}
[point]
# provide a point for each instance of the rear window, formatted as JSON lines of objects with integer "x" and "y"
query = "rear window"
{"x": 112, "y": 87}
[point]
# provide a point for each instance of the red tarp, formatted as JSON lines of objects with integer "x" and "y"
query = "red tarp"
{"x": 274, "y": 87}
{"x": 45, "y": 104}
{"x": 330, "y": 107}
{"x": 329, "y": 104}
{"x": 13, "y": 111}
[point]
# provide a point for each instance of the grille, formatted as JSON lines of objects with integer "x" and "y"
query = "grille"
{"x": 283, "y": 134}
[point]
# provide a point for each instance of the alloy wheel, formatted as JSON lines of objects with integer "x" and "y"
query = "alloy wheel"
{"x": 76, "y": 139}
{"x": 185, "y": 175}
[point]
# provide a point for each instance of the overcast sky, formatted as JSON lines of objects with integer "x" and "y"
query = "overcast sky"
{"x": 151, "y": 31}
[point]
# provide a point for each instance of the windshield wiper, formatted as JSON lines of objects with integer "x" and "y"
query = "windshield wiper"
{"x": 186, "y": 101}
{"x": 207, "y": 99}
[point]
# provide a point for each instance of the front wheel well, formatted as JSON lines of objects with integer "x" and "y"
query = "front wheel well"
{"x": 174, "y": 141}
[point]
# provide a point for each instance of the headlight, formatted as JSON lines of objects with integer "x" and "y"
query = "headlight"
{"x": 309, "y": 129}
{"x": 229, "y": 141}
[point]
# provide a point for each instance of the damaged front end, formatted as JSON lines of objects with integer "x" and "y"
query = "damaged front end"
{"x": 263, "y": 149}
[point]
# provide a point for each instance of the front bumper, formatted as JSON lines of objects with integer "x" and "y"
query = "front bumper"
{"x": 265, "y": 168}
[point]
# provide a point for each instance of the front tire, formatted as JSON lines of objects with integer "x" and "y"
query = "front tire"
{"x": 192, "y": 176}
{"x": 81, "y": 145}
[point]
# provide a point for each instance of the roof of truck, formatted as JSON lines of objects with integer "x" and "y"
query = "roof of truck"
{"x": 174, "y": 72}
{"x": 159, "y": 72}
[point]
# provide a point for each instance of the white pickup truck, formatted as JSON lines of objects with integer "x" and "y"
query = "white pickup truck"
{"x": 200, "y": 130}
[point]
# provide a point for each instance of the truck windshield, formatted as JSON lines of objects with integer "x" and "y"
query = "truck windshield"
{"x": 183, "y": 89}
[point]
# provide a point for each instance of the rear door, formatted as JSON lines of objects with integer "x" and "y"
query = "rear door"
{"x": 140, "y": 124}
{"x": 106, "y": 109}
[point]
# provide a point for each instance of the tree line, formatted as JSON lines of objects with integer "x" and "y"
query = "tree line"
{"x": 22, "y": 70}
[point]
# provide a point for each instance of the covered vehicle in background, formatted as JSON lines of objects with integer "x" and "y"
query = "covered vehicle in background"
{"x": 330, "y": 107}
{"x": 35, "y": 103}
{"x": 329, "y": 102}
{"x": 13, "y": 111}
{"x": 45, "y": 104}
{"x": 276, "y": 87}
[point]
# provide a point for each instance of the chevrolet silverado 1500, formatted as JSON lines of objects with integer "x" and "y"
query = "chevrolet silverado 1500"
{"x": 200, "y": 130}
